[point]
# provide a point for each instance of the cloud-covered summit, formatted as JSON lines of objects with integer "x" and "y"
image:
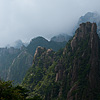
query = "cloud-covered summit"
{"x": 25, "y": 19}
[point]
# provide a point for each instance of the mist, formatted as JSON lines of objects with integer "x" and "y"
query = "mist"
{"x": 26, "y": 19}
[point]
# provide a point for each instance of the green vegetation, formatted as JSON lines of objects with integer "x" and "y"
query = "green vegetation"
{"x": 19, "y": 67}
{"x": 14, "y": 62}
{"x": 72, "y": 72}
{"x": 40, "y": 41}
{"x": 9, "y": 92}
{"x": 63, "y": 74}
{"x": 41, "y": 74}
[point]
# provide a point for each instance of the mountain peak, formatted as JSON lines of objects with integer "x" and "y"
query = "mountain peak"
{"x": 61, "y": 38}
{"x": 90, "y": 16}
{"x": 86, "y": 45}
{"x": 85, "y": 30}
{"x": 93, "y": 17}
{"x": 39, "y": 51}
{"x": 72, "y": 73}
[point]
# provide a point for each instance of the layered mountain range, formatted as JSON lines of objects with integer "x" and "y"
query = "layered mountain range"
{"x": 15, "y": 61}
{"x": 59, "y": 69}
{"x": 72, "y": 73}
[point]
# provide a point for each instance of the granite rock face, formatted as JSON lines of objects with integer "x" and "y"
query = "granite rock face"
{"x": 70, "y": 74}
{"x": 89, "y": 17}
{"x": 80, "y": 66}
{"x": 82, "y": 32}
{"x": 92, "y": 75}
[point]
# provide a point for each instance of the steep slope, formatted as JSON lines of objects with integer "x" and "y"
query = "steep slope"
{"x": 19, "y": 67}
{"x": 74, "y": 72}
{"x": 15, "y": 62}
{"x": 43, "y": 58}
{"x": 40, "y": 41}
{"x": 6, "y": 57}
{"x": 85, "y": 66}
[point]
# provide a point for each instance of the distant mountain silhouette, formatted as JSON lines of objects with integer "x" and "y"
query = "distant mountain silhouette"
{"x": 61, "y": 38}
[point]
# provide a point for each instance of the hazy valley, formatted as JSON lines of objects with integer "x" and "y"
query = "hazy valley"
{"x": 64, "y": 68}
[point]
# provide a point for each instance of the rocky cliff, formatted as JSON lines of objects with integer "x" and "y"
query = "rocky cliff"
{"x": 85, "y": 72}
{"x": 89, "y": 17}
{"x": 72, "y": 73}
{"x": 19, "y": 67}
{"x": 43, "y": 58}
{"x": 6, "y": 58}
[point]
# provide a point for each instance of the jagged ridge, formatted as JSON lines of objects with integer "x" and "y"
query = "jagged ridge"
{"x": 74, "y": 72}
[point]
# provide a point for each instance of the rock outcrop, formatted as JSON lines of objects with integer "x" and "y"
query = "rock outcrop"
{"x": 87, "y": 87}
{"x": 43, "y": 58}
{"x": 72, "y": 73}
{"x": 79, "y": 69}
{"x": 89, "y": 17}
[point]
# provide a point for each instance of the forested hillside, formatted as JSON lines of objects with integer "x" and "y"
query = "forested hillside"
{"x": 72, "y": 73}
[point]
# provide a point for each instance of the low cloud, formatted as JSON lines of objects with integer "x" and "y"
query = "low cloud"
{"x": 25, "y": 19}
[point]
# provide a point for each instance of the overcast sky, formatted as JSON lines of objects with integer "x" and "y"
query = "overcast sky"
{"x": 26, "y": 19}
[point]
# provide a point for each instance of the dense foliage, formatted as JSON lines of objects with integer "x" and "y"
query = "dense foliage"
{"x": 40, "y": 41}
{"x": 67, "y": 74}
{"x": 14, "y": 62}
{"x": 9, "y": 92}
